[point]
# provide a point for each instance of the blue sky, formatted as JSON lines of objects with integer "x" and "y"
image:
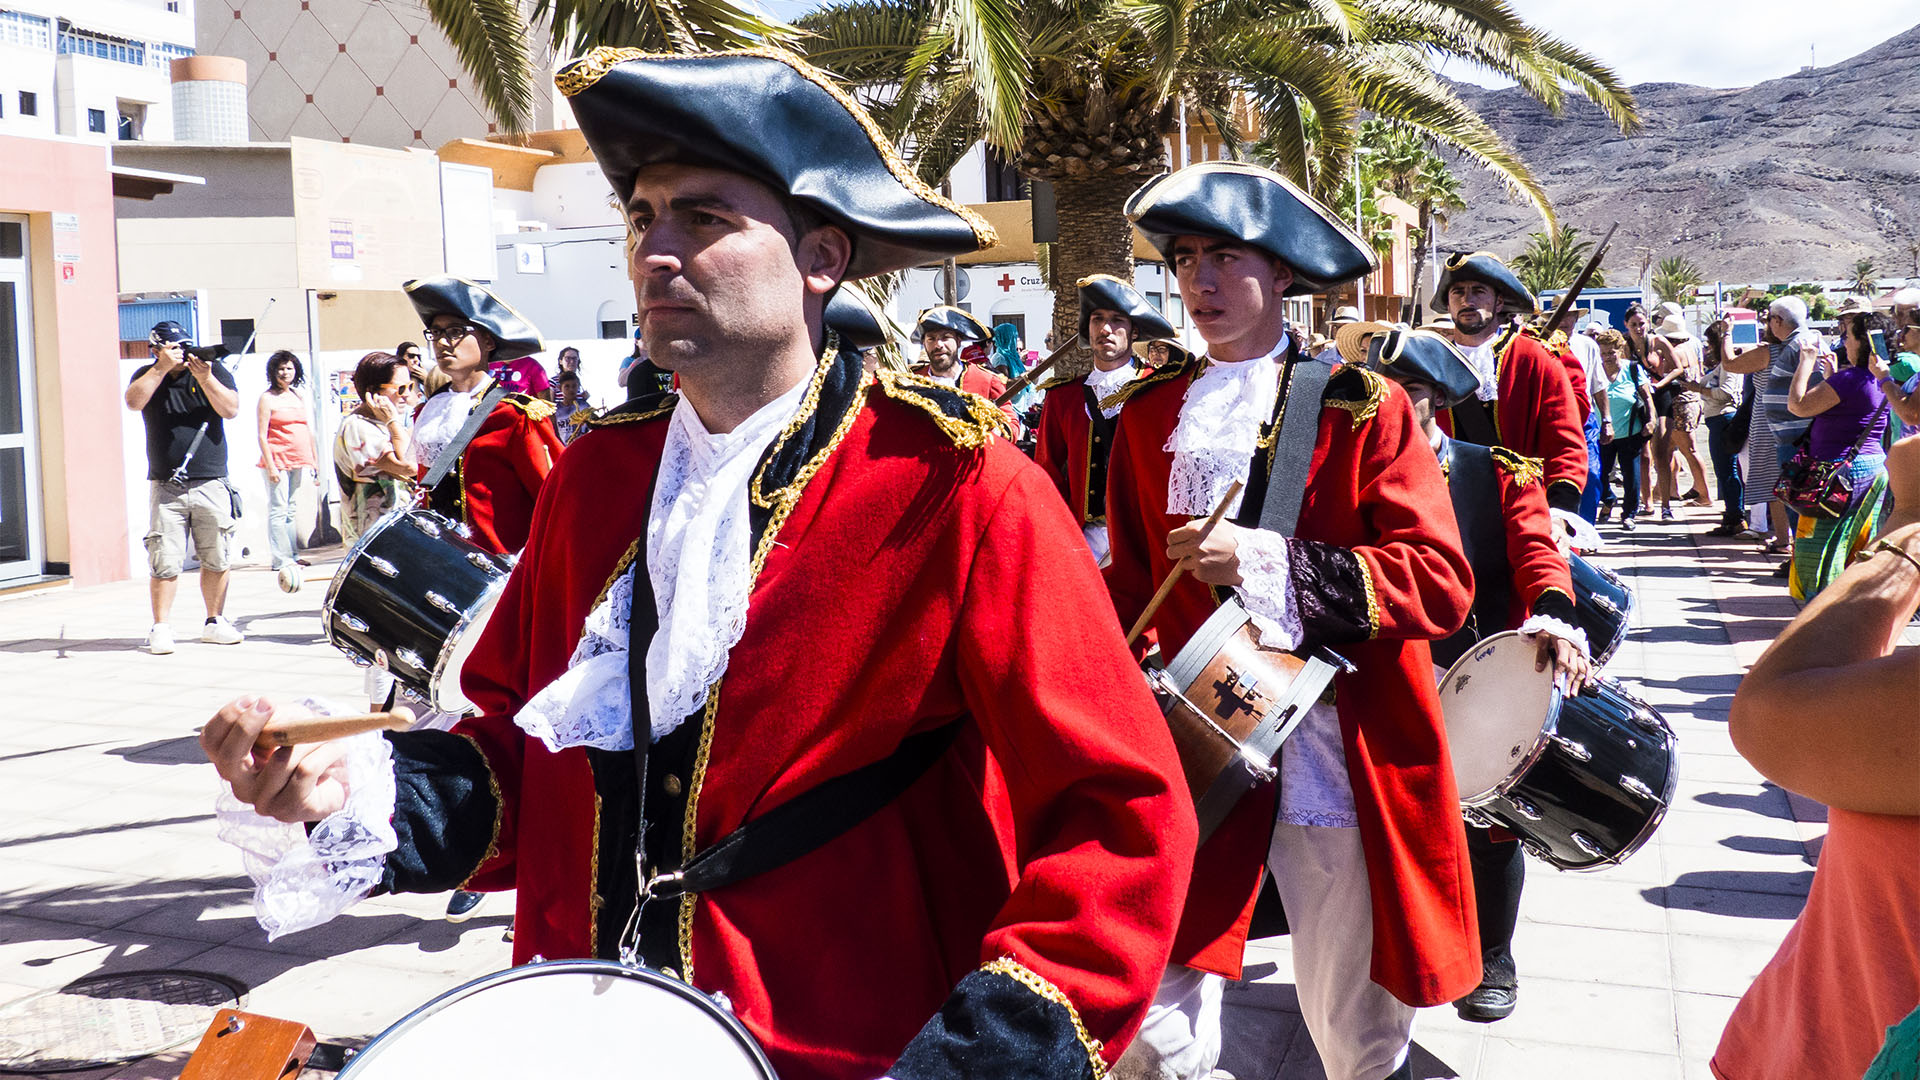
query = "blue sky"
{"x": 1690, "y": 41}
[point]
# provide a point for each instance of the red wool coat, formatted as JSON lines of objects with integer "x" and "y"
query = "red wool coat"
{"x": 493, "y": 487}
{"x": 1538, "y": 414}
{"x": 977, "y": 378}
{"x": 1374, "y": 488}
{"x": 1069, "y": 450}
{"x": 907, "y": 582}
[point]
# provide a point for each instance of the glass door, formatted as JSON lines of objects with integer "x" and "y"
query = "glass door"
{"x": 20, "y": 531}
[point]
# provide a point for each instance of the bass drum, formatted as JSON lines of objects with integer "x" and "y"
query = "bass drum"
{"x": 572, "y": 1019}
{"x": 412, "y": 597}
{"x": 1602, "y": 604}
{"x": 1583, "y": 781}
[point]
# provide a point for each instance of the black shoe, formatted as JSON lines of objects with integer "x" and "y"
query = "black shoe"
{"x": 1487, "y": 1004}
{"x": 463, "y": 905}
{"x": 1783, "y": 570}
{"x": 1606, "y": 512}
{"x": 1692, "y": 495}
{"x": 1726, "y": 529}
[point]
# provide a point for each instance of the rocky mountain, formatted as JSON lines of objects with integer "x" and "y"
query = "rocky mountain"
{"x": 1792, "y": 179}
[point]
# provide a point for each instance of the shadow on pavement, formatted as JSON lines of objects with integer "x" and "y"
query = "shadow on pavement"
{"x": 1765, "y": 845}
{"x": 184, "y": 750}
{"x": 50, "y": 750}
{"x": 1767, "y": 805}
{"x": 97, "y": 830}
{"x": 1745, "y": 894}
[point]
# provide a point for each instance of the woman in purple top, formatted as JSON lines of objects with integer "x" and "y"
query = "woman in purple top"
{"x": 1849, "y": 414}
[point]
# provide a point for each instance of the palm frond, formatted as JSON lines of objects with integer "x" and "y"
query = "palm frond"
{"x": 1165, "y": 24}
{"x": 1593, "y": 79}
{"x": 490, "y": 38}
{"x": 658, "y": 25}
{"x": 990, "y": 44}
{"x": 863, "y": 41}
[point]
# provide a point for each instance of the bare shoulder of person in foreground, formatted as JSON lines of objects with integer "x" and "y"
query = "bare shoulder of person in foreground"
{"x": 1832, "y": 709}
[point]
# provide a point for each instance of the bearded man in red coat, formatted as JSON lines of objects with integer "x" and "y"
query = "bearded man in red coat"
{"x": 1077, "y": 419}
{"x": 787, "y": 579}
{"x": 1364, "y": 841}
{"x": 1526, "y": 402}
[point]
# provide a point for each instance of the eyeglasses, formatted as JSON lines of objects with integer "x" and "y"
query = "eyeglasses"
{"x": 447, "y": 335}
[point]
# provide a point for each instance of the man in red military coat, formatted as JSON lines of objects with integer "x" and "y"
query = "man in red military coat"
{"x": 1525, "y": 402}
{"x": 1076, "y": 423}
{"x": 493, "y": 484}
{"x": 743, "y": 596}
{"x": 1521, "y": 582}
{"x": 1367, "y": 849}
{"x": 945, "y": 333}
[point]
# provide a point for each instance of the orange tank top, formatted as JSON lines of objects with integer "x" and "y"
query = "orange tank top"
{"x": 1849, "y": 968}
{"x": 289, "y": 432}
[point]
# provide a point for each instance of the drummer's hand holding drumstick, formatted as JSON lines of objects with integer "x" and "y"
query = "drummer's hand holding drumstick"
{"x": 1209, "y": 554}
{"x": 301, "y": 779}
{"x": 1572, "y": 668}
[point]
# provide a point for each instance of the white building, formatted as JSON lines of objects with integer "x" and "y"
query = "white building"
{"x": 91, "y": 69}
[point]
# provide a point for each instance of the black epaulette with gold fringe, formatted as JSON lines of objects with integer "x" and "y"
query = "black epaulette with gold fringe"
{"x": 968, "y": 419}
{"x": 1166, "y": 373}
{"x": 1058, "y": 380}
{"x": 644, "y": 407}
{"x": 535, "y": 408}
{"x": 1519, "y": 468}
{"x": 1357, "y": 389}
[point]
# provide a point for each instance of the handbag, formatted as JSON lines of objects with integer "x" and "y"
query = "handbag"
{"x": 1821, "y": 489}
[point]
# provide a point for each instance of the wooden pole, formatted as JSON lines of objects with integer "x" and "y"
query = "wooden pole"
{"x": 1160, "y": 595}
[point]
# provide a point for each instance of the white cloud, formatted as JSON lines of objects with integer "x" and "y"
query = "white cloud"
{"x": 1710, "y": 44}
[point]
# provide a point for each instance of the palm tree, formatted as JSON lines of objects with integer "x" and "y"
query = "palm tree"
{"x": 1085, "y": 94}
{"x": 1676, "y": 279}
{"x": 1551, "y": 260}
{"x": 1410, "y": 169}
{"x": 1865, "y": 278}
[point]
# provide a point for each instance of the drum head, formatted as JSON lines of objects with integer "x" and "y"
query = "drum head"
{"x": 1495, "y": 705}
{"x": 1200, "y": 649}
{"x": 447, "y": 695}
{"x": 570, "y": 1019}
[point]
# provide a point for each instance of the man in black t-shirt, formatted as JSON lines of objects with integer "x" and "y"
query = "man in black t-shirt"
{"x": 185, "y": 400}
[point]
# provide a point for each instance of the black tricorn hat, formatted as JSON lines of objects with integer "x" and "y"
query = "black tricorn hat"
{"x": 958, "y": 320}
{"x": 852, "y": 314}
{"x": 1231, "y": 200}
{"x": 1484, "y": 267}
{"x": 1106, "y": 292}
{"x": 1424, "y": 356}
{"x": 1176, "y": 352}
{"x": 513, "y": 336}
{"x": 769, "y": 115}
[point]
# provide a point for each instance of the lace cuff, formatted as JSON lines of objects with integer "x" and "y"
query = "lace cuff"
{"x": 1547, "y": 624}
{"x": 302, "y": 879}
{"x": 1585, "y": 536}
{"x": 1266, "y": 588}
{"x": 586, "y": 706}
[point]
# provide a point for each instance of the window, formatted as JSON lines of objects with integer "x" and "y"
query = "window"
{"x": 32, "y": 31}
{"x": 612, "y": 329}
{"x": 101, "y": 47}
{"x": 236, "y": 334}
{"x": 13, "y": 240}
{"x": 29, "y": 103}
{"x": 132, "y": 121}
{"x": 1004, "y": 182}
{"x": 173, "y": 6}
{"x": 161, "y": 55}
{"x": 97, "y": 121}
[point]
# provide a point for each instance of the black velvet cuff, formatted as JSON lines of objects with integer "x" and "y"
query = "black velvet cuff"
{"x": 446, "y": 812}
{"x": 1564, "y": 495}
{"x": 1332, "y": 592}
{"x": 996, "y": 1027}
{"x": 1555, "y": 604}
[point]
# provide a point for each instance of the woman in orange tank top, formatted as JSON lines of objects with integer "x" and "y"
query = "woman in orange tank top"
{"x": 285, "y": 423}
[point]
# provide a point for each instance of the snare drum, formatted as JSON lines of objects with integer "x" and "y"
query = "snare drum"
{"x": 412, "y": 597}
{"x": 1601, "y": 604}
{"x": 566, "y": 1018}
{"x": 1231, "y": 702}
{"x": 1583, "y": 780}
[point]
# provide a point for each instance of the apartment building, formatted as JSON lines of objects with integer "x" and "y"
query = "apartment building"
{"x": 95, "y": 70}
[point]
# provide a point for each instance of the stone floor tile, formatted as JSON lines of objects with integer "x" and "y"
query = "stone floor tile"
{"x": 1731, "y": 913}
{"x": 1719, "y": 966}
{"x": 1565, "y": 1012}
{"x": 1504, "y": 1058}
{"x": 1753, "y": 867}
{"x": 1591, "y": 900}
{"x": 1255, "y": 1042}
{"x": 1728, "y": 797}
{"x": 1449, "y": 1053}
{"x": 1591, "y": 954}
{"x": 1700, "y": 1018}
{"x": 46, "y": 954}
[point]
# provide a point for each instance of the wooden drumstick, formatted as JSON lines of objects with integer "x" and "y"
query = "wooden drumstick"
{"x": 1160, "y": 595}
{"x": 313, "y": 729}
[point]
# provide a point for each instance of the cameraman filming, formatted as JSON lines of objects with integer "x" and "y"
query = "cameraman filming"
{"x": 185, "y": 399}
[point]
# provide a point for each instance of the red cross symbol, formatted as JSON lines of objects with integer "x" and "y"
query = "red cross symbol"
{"x": 1006, "y": 283}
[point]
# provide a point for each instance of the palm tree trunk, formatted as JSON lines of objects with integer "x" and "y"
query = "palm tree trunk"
{"x": 1420, "y": 253}
{"x": 1095, "y": 238}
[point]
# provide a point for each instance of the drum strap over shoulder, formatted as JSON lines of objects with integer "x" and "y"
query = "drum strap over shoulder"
{"x": 1283, "y": 487}
{"x": 443, "y": 464}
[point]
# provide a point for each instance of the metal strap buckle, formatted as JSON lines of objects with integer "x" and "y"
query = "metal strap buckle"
{"x": 663, "y": 886}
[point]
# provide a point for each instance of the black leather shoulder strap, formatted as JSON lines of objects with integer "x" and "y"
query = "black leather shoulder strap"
{"x": 1303, "y": 387}
{"x": 443, "y": 464}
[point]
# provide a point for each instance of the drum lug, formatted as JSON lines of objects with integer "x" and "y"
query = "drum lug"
{"x": 721, "y": 999}
{"x": 1539, "y": 852}
{"x": 1637, "y": 786}
{"x": 383, "y": 566}
{"x": 480, "y": 560}
{"x": 410, "y": 658}
{"x": 1262, "y": 769}
{"x": 352, "y": 622}
{"x": 1585, "y": 843}
{"x": 426, "y": 525}
{"x": 1477, "y": 819}
{"x": 442, "y": 603}
{"x": 1524, "y": 808}
{"x": 1575, "y": 750}
{"x": 464, "y": 530}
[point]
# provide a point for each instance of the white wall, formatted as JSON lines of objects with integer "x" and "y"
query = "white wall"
{"x": 87, "y": 82}
{"x": 586, "y": 276}
{"x": 30, "y": 70}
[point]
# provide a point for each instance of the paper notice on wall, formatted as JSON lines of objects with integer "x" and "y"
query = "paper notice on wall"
{"x": 66, "y": 246}
{"x": 530, "y": 258}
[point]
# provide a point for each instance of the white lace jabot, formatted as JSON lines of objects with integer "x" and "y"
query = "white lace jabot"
{"x": 1104, "y": 383}
{"x": 700, "y": 566}
{"x": 1213, "y": 441}
{"x": 1480, "y": 357}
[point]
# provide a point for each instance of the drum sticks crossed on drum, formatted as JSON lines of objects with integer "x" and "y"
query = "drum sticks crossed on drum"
{"x": 1166, "y": 586}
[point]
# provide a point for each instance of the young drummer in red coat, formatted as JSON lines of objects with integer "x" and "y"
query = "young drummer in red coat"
{"x": 492, "y": 487}
{"x": 1367, "y": 849}
{"x": 1076, "y": 422}
{"x": 1521, "y": 582}
{"x": 809, "y": 570}
{"x": 1526, "y": 402}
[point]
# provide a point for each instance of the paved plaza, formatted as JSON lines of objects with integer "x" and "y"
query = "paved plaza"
{"x": 108, "y": 861}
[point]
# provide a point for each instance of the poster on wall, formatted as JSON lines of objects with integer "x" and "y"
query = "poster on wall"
{"x": 358, "y": 213}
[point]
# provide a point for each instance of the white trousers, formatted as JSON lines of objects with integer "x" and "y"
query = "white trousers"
{"x": 1360, "y": 1030}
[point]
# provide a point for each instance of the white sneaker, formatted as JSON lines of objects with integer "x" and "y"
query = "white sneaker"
{"x": 221, "y": 632}
{"x": 291, "y": 579}
{"x": 160, "y": 639}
